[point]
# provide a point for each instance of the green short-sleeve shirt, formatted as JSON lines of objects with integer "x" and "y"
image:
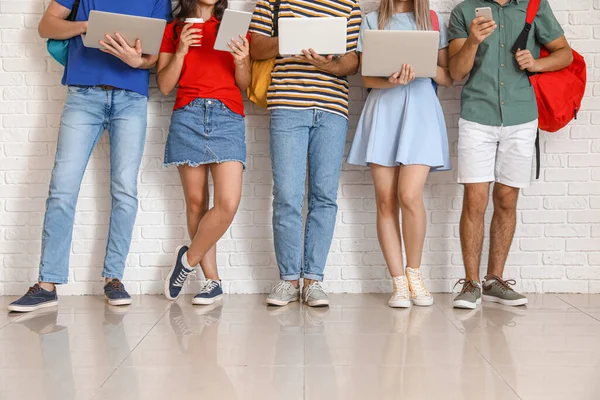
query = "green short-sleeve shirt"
{"x": 497, "y": 92}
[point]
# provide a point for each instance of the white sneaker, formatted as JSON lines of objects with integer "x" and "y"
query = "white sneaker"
{"x": 401, "y": 296}
{"x": 419, "y": 293}
{"x": 283, "y": 294}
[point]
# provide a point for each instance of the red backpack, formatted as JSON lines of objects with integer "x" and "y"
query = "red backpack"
{"x": 558, "y": 93}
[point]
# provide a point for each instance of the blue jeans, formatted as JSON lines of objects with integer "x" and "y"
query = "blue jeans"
{"x": 298, "y": 138}
{"x": 88, "y": 112}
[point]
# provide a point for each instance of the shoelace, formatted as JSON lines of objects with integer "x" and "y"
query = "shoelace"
{"x": 281, "y": 287}
{"x": 416, "y": 284}
{"x": 312, "y": 287}
{"x": 116, "y": 285}
{"x": 209, "y": 286}
{"x": 182, "y": 276}
{"x": 33, "y": 290}
{"x": 468, "y": 285}
{"x": 505, "y": 285}
{"x": 400, "y": 287}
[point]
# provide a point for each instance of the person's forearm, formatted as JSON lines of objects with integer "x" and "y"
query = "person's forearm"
{"x": 462, "y": 62}
{"x": 243, "y": 75}
{"x": 263, "y": 47}
{"x": 375, "y": 82}
{"x": 344, "y": 66}
{"x": 168, "y": 77}
{"x": 52, "y": 27}
{"x": 555, "y": 61}
{"x": 442, "y": 77}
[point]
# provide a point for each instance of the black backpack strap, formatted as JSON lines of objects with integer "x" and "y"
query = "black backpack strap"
{"x": 537, "y": 155}
{"x": 521, "y": 42}
{"x": 74, "y": 10}
{"x": 276, "y": 6}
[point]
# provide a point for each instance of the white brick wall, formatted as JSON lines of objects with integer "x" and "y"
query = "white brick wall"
{"x": 556, "y": 248}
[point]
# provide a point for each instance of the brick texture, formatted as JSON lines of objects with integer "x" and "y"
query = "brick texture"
{"x": 556, "y": 248}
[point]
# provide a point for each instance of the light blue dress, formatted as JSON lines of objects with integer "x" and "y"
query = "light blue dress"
{"x": 403, "y": 125}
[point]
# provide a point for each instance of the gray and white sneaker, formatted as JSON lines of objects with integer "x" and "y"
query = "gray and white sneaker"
{"x": 497, "y": 290}
{"x": 470, "y": 295}
{"x": 314, "y": 295}
{"x": 283, "y": 294}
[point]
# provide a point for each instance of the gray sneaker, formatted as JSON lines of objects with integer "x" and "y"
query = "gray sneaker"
{"x": 283, "y": 294}
{"x": 497, "y": 290}
{"x": 314, "y": 295}
{"x": 470, "y": 295}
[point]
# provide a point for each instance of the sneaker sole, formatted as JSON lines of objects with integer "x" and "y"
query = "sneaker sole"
{"x": 206, "y": 302}
{"x": 167, "y": 291}
{"x": 399, "y": 303}
{"x": 467, "y": 305}
{"x": 118, "y": 302}
{"x": 318, "y": 303}
{"x": 512, "y": 303}
{"x": 423, "y": 302}
{"x": 280, "y": 303}
{"x": 25, "y": 309}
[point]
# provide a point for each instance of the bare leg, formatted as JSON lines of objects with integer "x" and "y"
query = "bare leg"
{"x": 228, "y": 191}
{"x": 388, "y": 217}
{"x": 195, "y": 188}
{"x": 411, "y": 181}
{"x": 471, "y": 226}
{"x": 503, "y": 227}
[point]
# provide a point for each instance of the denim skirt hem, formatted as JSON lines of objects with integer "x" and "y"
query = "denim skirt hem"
{"x": 194, "y": 164}
{"x": 205, "y": 132}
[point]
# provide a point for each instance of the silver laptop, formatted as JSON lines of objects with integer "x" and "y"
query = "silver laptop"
{"x": 384, "y": 52}
{"x": 326, "y": 36}
{"x": 233, "y": 24}
{"x": 149, "y": 30}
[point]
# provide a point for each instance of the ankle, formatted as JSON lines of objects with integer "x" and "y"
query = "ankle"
{"x": 295, "y": 284}
{"x": 308, "y": 282}
{"x": 47, "y": 286}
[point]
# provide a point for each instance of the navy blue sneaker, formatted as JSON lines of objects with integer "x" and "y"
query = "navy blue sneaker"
{"x": 177, "y": 276}
{"x": 116, "y": 294}
{"x": 34, "y": 299}
{"x": 211, "y": 291}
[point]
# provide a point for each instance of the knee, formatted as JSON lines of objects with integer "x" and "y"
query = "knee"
{"x": 197, "y": 204}
{"x": 387, "y": 207}
{"x": 124, "y": 187}
{"x": 505, "y": 199}
{"x": 475, "y": 201}
{"x": 288, "y": 196}
{"x": 410, "y": 201}
{"x": 226, "y": 209}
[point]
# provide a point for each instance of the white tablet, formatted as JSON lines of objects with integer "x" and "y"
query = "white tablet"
{"x": 233, "y": 25}
{"x": 326, "y": 36}
{"x": 148, "y": 30}
{"x": 384, "y": 52}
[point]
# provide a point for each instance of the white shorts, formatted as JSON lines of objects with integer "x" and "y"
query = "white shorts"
{"x": 496, "y": 153}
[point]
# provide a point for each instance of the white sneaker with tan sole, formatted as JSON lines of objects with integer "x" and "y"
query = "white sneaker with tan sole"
{"x": 401, "y": 296}
{"x": 418, "y": 292}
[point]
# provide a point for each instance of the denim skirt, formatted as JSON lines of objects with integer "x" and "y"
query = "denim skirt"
{"x": 205, "y": 132}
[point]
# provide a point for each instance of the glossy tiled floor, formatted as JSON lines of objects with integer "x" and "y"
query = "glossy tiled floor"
{"x": 358, "y": 349}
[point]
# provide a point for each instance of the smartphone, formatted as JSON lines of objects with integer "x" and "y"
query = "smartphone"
{"x": 485, "y": 12}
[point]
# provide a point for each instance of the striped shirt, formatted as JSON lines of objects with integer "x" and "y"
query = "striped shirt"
{"x": 295, "y": 83}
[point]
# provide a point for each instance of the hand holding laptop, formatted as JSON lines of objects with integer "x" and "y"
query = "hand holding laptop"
{"x": 313, "y": 58}
{"x": 403, "y": 77}
{"x": 132, "y": 56}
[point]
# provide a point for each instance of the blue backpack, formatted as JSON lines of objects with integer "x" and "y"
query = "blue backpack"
{"x": 59, "y": 49}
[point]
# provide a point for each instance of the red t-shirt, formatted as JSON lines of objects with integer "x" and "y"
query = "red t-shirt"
{"x": 206, "y": 73}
